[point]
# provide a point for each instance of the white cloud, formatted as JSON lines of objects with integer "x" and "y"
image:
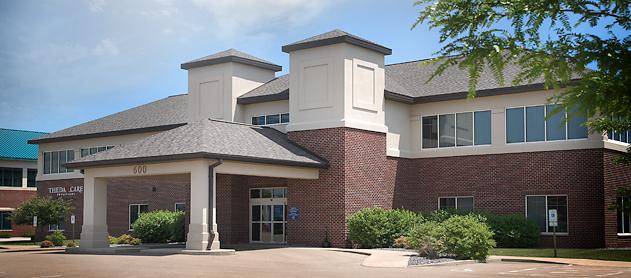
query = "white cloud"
{"x": 96, "y": 5}
{"x": 106, "y": 47}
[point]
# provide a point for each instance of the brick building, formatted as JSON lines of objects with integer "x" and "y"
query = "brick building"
{"x": 18, "y": 169}
{"x": 255, "y": 157}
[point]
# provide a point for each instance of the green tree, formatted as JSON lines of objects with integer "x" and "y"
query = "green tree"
{"x": 48, "y": 211}
{"x": 582, "y": 46}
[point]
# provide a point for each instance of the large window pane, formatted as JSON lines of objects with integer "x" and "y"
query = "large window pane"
{"x": 624, "y": 215}
{"x": 560, "y": 204}
{"x": 5, "y": 222}
{"x": 272, "y": 119}
{"x": 514, "y": 125}
{"x": 430, "y": 132}
{"x": 464, "y": 129}
{"x": 482, "y": 128}
{"x": 31, "y": 177}
{"x": 47, "y": 163}
{"x": 55, "y": 162}
{"x": 256, "y": 213}
{"x": 284, "y": 118}
{"x": 446, "y": 130}
{"x": 575, "y": 126}
{"x": 536, "y": 211}
{"x": 465, "y": 204}
{"x": 555, "y": 124}
{"x": 62, "y": 161}
{"x": 535, "y": 123}
{"x": 447, "y": 203}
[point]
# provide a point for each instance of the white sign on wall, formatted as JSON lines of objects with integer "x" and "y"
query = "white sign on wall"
{"x": 65, "y": 190}
{"x": 72, "y": 219}
{"x": 553, "y": 218}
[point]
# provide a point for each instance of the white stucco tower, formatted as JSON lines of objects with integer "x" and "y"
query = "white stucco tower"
{"x": 337, "y": 80}
{"x": 216, "y": 81}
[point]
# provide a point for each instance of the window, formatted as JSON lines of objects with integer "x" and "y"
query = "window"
{"x": 93, "y": 150}
{"x": 537, "y": 210}
{"x": 56, "y": 227}
{"x": 54, "y": 161}
{"x": 277, "y": 192}
{"x": 543, "y": 123}
{"x": 11, "y": 177}
{"x": 180, "y": 207}
{"x": 5, "y": 221}
{"x": 134, "y": 212}
{"x": 459, "y": 129}
{"x": 271, "y": 119}
{"x": 31, "y": 175}
{"x": 624, "y": 215}
{"x": 620, "y": 136}
{"x": 457, "y": 203}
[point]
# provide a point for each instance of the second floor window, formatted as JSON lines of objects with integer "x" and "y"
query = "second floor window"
{"x": 271, "y": 119}
{"x": 11, "y": 177}
{"x": 456, "y": 130}
{"x": 93, "y": 150}
{"x": 54, "y": 161}
{"x": 539, "y": 123}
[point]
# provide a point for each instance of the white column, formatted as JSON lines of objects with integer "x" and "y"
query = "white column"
{"x": 214, "y": 233}
{"x": 197, "y": 237}
{"x": 94, "y": 229}
{"x": 24, "y": 177}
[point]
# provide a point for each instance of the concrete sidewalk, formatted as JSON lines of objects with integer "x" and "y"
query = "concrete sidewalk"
{"x": 382, "y": 258}
{"x": 581, "y": 262}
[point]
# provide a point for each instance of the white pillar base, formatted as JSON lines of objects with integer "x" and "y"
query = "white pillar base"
{"x": 214, "y": 241}
{"x": 94, "y": 237}
{"x": 197, "y": 237}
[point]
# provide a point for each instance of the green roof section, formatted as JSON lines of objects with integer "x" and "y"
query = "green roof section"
{"x": 13, "y": 144}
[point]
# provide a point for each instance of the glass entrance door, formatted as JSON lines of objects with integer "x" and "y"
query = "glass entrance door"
{"x": 268, "y": 210}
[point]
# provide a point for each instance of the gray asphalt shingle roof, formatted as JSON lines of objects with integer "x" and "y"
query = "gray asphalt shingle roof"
{"x": 333, "y": 37}
{"x": 158, "y": 115}
{"x": 231, "y": 55}
{"x": 275, "y": 89}
{"x": 209, "y": 139}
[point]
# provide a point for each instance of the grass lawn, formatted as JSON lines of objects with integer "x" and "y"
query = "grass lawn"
{"x": 596, "y": 254}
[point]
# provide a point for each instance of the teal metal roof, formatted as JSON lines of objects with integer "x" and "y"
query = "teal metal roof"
{"x": 13, "y": 144}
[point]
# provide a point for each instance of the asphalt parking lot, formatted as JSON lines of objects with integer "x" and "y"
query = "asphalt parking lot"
{"x": 280, "y": 262}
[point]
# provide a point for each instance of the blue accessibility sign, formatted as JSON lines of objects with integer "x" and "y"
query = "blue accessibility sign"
{"x": 293, "y": 213}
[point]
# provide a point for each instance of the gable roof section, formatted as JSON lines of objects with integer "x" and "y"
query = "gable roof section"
{"x": 275, "y": 89}
{"x": 13, "y": 144}
{"x": 163, "y": 114}
{"x": 209, "y": 139}
{"x": 334, "y": 37}
{"x": 231, "y": 55}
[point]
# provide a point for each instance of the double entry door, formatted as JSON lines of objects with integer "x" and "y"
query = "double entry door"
{"x": 268, "y": 215}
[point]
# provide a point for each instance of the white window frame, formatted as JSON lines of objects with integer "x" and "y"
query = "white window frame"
{"x": 107, "y": 147}
{"x": 280, "y": 117}
{"x": 456, "y": 198}
{"x": 473, "y": 145}
{"x": 545, "y": 126}
{"x": 179, "y": 203}
{"x": 129, "y": 212}
{"x": 50, "y": 167}
{"x": 567, "y": 206}
{"x": 624, "y": 233}
{"x": 50, "y": 228}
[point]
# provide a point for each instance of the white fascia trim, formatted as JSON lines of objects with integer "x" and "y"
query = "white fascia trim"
{"x": 615, "y": 145}
{"x": 333, "y": 124}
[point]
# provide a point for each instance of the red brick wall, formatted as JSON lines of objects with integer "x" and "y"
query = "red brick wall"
{"x": 13, "y": 198}
{"x": 615, "y": 176}
{"x": 76, "y": 200}
{"x": 499, "y": 184}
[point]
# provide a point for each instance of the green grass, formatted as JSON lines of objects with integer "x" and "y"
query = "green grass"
{"x": 595, "y": 254}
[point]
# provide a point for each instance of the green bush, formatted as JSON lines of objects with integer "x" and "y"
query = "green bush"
{"x": 160, "y": 226}
{"x": 134, "y": 241}
{"x": 57, "y": 238}
{"x": 113, "y": 240}
{"x": 377, "y": 227}
{"x": 468, "y": 237}
{"x": 513, "y": 231}
{"x": 5, "y": 235}
{"x": 71, "y": 244}
{"x": 428, "y": 238}
{"x": 124, "y": 239}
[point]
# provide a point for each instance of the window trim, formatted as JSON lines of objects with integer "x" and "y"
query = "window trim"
{"x": 567, "y": 205}
{"x": 545, "y": 127}
{"x": 53, "y": 230}
{"x": 624, "y": 233}
{"x": 456, "y": 199}
{"x": 280, "y": 119}
{"x": 129, "y": 212}
{"x": 107, "y": 147}
{"x": 13, "y": 170}
{"x": 179, "y": 203}
{"x": 473, "y": 145}
{"x": 50, "y": 167}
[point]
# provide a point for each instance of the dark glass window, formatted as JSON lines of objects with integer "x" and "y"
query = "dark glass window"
{"x": 11, "y": 177}
{"x": 31, "y": 177}
{"x": 576, "y": 128}
{"x": 430, "y": 132}
{"x": 537, "y": 210}
{"x": 134, "y": 212}
{"x": 482, "y": 128}
{"x": 5, "y": 221}
{"x": 94, "y": 150}
{"x": 62, "y": 161}
{"x": 47, "y": 161}
{"x": 447, "y": 203}
{"x": 446, "y": 130}
{"x": 85, "y": 152}
{"x": 624, "y": 215}
{"x": 457, "y": 203}
{"x": 464, "y": 129}
{"x": 180, "y": 207}
{"x": 284, "y": 118}
{"x": 555, "y": 123}
{"x": 55, "y": 163}
{"x": 258, "y": 120}
{"x": 514, "y": 125}
{"x": 535, "y": 124}
{"x": 255, "y": 193}
{"x": 272, "y": 119}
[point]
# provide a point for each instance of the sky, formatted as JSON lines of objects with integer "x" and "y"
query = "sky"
{"x": 67, "y": 62}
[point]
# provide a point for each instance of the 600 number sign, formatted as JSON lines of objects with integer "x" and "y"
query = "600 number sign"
{"x": 140, "y": 169}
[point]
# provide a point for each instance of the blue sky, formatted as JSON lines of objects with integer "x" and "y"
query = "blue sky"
{"x": 67, "y": 62}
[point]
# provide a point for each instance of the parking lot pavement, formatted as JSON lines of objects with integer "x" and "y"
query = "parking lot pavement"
{"x": 280, "y": 262}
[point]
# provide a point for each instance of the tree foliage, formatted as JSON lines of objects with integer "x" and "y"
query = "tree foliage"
{"x": 48, "y": 211}
{"x": 551, "y": 40}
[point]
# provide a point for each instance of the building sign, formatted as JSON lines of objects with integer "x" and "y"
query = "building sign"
{"x": 293, "y": 213}
{"x": 65, "y": 190}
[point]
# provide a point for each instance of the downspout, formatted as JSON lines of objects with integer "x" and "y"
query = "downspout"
{"x": 211, "y": 185}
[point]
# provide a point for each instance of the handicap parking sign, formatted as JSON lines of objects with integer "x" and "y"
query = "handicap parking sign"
{"x": 293, "y": 213}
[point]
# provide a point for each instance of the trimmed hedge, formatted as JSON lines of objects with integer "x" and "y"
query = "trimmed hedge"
{"x": 513, "y": 231}
{"x": 468, "y": 237}
{"x": 377, "y": 227}
{"x": 160, "y": 226}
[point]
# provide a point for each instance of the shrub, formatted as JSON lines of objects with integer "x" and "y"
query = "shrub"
{"x": 47, "y": 210}
{"x": 428, "y": 239}
{"x": 46, "y": 244}
{"x": 468, "y": 236}
{"x": 134, "y": 241}
{"x": 71, "y": 244}
{"x": 160, "y": 226}
{"x": 57, "y": 238}
{"x": 402, "y": 242}
{"x": 513, "y": 231}
{"x": 124, "y": 239}
{"x": 376, "y": 227}
{"x": 113, "y": 240}
{"x": 5, "y": 235}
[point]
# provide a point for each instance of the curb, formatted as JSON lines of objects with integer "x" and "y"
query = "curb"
{"x": 533, "y": 261}
{"x": 461, "y": 262}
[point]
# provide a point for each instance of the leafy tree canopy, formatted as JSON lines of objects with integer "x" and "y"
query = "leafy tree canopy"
{"x": 48, "y": 211}
{"x": 582, "y": 45}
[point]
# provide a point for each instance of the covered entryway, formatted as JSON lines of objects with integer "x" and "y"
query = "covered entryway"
{"x": 268, "y": 215}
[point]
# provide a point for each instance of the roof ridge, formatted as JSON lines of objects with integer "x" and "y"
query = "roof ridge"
{"x": 23, "y": 130}
{"x": 419, "y": 60}
{"x": 230, "y": 122}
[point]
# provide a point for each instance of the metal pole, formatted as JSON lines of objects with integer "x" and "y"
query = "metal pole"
{"x": 554, "y": 239}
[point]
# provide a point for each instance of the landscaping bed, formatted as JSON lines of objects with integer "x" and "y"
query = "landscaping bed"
{"x": 418, "y": 260}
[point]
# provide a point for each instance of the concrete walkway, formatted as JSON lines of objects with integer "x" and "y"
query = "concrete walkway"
{"x": 382, "y": 258}
{"x": 581, "y": 262}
